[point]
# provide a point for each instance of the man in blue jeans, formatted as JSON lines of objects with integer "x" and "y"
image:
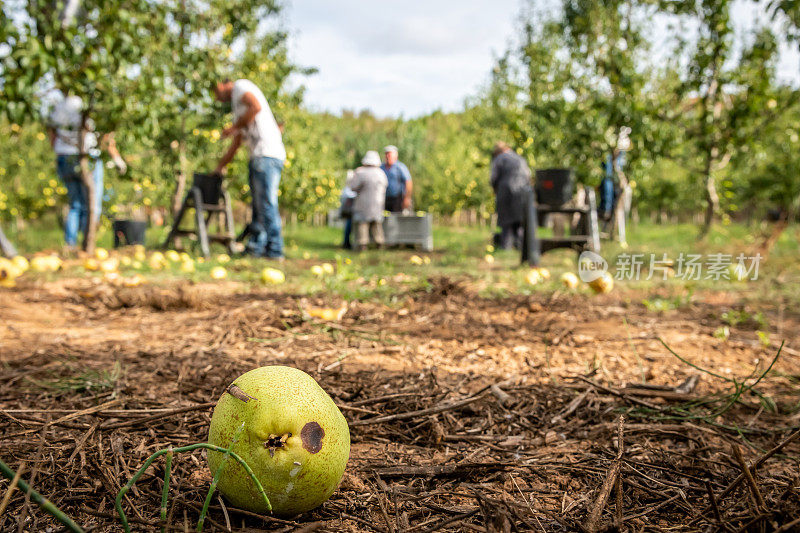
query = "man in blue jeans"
{"x": 254, "y": 124}
{"x": 64, "y": 129}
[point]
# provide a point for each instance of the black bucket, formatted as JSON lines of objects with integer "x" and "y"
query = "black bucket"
{"x": 128, "y": 232}
{"x": 210, "y": 186}
{"x": 554, "y": 186}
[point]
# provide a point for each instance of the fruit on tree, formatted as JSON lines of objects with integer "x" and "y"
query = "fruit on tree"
{"x": 294, "y": 438}
{"x": 603, "y": 284}
{"x": 569, "y": 280}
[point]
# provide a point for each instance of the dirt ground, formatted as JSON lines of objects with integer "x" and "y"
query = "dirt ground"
{"x": 554, "y": 412}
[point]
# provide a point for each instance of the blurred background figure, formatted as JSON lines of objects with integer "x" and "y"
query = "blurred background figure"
{"x": 347, "y": 199}
{"x": 398, "y": 193}
{"x": 369, "y": 182}
{"x": 510, "y": 180}
{"x": 64, "y": 124}
{"x": 254, "y": 123}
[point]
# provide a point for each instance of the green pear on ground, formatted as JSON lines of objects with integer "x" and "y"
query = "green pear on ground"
{"x": 295, "y": 440}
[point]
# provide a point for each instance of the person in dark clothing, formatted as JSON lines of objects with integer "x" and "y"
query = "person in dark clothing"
{"x": 510, "y": 179}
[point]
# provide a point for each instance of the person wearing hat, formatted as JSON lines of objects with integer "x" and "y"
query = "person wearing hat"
{"x": 510, "y": 178}
{"x": 398, "y": 193}
{"x": 369, "y": 182}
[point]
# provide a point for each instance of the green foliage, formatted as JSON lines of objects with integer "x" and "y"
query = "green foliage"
{"x": 712, "y": 111}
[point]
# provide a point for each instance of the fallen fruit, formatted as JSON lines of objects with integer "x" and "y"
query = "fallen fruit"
{"x": 295, "y": 440}
{"x": 139, "y": 253}
{"x": 219, "y": 273}
{"x": 45, "y": 263}
{"x": 569, "y": 280}
{"x": 317, "y": 270}
{"x": 489, "y": 258}
{"x": 109, "y": 265}
{"x": 415, "y": 260}
{"x": 100, "y": 254}
{"x": 603, "y": 284}
{"x": 21, "y": 263}
{"x": 133, "y": 281}
{"x": 272, "y": 275}
{"x": 329, "y": 314}
{"x": 533, "y": 277}
{"x": 327, "y": 268}
{"x": 172, "y": 255}
{"x": 8, "y": 273}
{"x": 187, "y": 266}
{"x": 223, "y": 259}
{"x": 543, "y": 273}
{"x": 91, "y": 264}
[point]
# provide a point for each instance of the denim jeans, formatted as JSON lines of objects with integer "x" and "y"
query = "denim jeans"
{"x": 266, "y": 239}
{"x": 69, "y": 171}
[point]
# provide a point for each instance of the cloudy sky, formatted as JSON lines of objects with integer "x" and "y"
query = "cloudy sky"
{"x": 397, "y": 58}
{"x": 412, "y": 57}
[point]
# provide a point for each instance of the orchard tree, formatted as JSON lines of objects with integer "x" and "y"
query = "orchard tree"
{"x": 199, "y": 42}
{"x": 610, "y": 78}
{"x": 722, "y": 99}
{"x": 90, "y": 49}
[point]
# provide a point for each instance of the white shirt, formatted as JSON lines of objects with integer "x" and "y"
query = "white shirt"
{"x": 262, "y": 135}
{"x": 65, "y": 118}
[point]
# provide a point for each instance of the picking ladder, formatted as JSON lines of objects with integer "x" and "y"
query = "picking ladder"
{"x": 208, "y": 197}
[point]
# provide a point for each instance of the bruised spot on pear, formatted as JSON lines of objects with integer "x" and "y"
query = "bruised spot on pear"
{"x": 311, "y": 435}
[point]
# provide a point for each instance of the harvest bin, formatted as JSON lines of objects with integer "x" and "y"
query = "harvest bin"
{"x": 414, "y": 229}
{"x": 128, "y": 232}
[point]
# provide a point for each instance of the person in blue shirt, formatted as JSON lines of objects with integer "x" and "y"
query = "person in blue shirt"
{"x": 398, "y": 193}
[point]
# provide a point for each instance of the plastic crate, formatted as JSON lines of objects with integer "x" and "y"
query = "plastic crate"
{"x": 554, "y": 186}
{"x": 414, "y": 230}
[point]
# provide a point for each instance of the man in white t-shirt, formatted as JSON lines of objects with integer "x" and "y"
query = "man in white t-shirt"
{"x": 254, "y": 124}
{"x": 63, "y": 126}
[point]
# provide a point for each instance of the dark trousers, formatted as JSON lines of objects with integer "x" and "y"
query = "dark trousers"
{"x": 394, "y": 204}
{"x": 348, "y": 230}
{"x": 511, "y": 235}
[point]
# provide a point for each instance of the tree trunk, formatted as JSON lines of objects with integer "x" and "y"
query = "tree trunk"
{"x": 90, "y": 232}
{"x": 6, "y": 248}
{"x": 183, "y": 172}
{"x": 712, "y": 203}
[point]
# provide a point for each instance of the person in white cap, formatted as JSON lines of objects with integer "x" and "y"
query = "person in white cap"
{"x": 398, "y": 193}
{"x": 369, "y": 183}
